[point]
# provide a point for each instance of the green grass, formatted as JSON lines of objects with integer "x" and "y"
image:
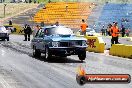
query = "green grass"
{"x": 13, "y": 9}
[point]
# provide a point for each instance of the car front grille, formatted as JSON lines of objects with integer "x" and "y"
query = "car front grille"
{"x": 64, "y": 44}
{"x": 3, "y": 34}
{"x": 70, "y": 43}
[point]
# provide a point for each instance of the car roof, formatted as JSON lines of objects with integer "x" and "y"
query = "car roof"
{"x": 47, "y": 26}
{"x": 52, "y": 26}
{"x": 88, "y": 28}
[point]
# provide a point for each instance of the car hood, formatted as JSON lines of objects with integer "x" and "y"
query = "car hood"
{"x": 66, "y": 38}
{"x": 3, "y": 31}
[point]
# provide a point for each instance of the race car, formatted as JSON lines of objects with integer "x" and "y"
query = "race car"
{"x": 4, "y": 34}
{"x": 58, "y": 41}
{"x": 15, "y": 28}
{"x": 89, "y": 32}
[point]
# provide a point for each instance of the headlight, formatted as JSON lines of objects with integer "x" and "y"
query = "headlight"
{"x": 84, "y": 43}
{"x": 55, "y": 44}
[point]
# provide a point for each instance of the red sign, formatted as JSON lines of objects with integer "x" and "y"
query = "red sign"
{"x": 103, "y": 78}
{"x": 91, "y": 43}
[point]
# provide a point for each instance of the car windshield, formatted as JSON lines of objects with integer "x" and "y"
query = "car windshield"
{"x": 2, "y": 28}
{"x": 89, "y": 29}
{"x": 59, "y": 30}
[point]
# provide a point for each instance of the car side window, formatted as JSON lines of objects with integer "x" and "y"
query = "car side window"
{"x": 46, "y": 32}
{"x": 41, "y": 34}
{"x": 38, "y": 33}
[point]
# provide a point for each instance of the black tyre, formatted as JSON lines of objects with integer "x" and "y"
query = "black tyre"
{"x": 47, "y": 54}
{"x": 7, "y": 38}
{"x": 82, "y": 55}
{"x": 81, "y": 80}
{"x": 36, "y": 52}
{"x": 64, "y": 56}
{"x": 3, "y": 39}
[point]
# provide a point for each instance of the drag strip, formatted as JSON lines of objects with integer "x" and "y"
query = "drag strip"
{"x": 16, "y": 58}
{"x": 115, "y": 61}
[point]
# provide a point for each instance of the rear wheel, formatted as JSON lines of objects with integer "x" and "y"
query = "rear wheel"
{"x": 82, "y": 55}
{"x": 36, "y": 52}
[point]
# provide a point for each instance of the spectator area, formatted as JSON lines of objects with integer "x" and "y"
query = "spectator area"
{"x": 71, "y": 17}
{"x": 121, "y": 13}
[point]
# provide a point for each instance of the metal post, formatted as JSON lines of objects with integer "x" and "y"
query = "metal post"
{"x": 4, "y": 9}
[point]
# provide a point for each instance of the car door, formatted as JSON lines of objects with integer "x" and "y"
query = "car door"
{"x": 43, "y": 39}
{"x": 38, "y": 40}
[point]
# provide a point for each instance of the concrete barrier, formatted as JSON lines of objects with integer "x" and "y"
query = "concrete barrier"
{"x": 130, "y": 38}
{"x": 121, "y": 50}
{"x": 113, "y": 49}
{"x": 95, "y": 44}
{"x": 128, "y": 51}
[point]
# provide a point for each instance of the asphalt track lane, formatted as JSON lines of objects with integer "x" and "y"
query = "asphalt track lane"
{"x": 32, "y": 72}
{"x": 35, "y": 73}
{"x": 17, "y": 61}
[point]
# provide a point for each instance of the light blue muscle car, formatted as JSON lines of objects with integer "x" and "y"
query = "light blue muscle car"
{"x": 58, "y": 41}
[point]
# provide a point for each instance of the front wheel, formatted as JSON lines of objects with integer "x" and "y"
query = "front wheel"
{"x": 3, "y": 39}
{"x": 7, "y": 38}
{"x": 82, "y": 55}
{"x": 36, "y": 52}
{"x": 47, "y": 54}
